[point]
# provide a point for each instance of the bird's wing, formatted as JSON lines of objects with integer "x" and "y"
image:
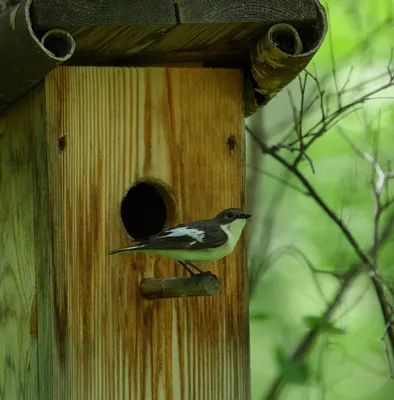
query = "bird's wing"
{"x": 193, "y": 236}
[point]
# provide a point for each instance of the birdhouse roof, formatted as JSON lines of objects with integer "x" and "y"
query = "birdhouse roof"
{"x": 38, "y": 35}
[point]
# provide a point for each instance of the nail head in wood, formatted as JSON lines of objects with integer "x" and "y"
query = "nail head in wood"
{"x": 206, "y": 284}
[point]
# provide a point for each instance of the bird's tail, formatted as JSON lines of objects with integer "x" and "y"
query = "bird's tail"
{"x": 130, "y": 248}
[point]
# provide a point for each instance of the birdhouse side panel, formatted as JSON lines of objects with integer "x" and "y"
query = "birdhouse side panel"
{"x": 18, "y": 307}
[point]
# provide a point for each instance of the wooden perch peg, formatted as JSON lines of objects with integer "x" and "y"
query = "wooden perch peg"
{"x": 206, "y": 284}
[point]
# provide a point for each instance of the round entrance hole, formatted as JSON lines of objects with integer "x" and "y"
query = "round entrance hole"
{"x": 147, "y": 208}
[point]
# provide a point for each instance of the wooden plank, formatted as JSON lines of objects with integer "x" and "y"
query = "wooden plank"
{"x": 18, "y": 330}
{"x": 49, "y": 14}
{"x": 116, "y": 125}
{"x": 228, "y": 11}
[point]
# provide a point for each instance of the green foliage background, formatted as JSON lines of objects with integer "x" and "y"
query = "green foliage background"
{"x": 348, "y": 361}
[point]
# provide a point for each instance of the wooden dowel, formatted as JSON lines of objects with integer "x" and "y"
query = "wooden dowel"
{"x": 197, "y": 285}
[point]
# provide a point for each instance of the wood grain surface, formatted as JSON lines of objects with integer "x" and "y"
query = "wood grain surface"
{"x": 18, "y": 328}
{"x": 96, "y": 131}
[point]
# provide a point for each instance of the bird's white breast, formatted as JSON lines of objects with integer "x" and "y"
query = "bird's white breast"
{"x": 233, "y": 231}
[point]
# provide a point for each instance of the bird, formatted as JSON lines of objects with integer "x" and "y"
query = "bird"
{"x": 195, "y": 242}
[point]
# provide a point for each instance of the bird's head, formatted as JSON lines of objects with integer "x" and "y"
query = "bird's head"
{"x": 231, "y": 215}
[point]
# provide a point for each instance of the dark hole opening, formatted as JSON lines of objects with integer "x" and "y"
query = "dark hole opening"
{"x": 57, "y": 44}
{"x": 231, "y": 142}
{"x": 285, "y": 41}
{"x": 62, "y": 143}
{"x": 143, "y": 210}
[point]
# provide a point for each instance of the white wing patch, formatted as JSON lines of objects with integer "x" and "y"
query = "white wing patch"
{"x": 193, "y": 233}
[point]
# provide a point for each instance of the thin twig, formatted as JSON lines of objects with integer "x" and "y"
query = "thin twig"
{"x": 334, "y": 68}
{"x": 301, "y": 113}
{"x": 293, "y": 109}
{"x": 343, "y": 88}
{"x": 386, "y": 349}
{"x": 363, "y": 84}
{"x": 321, "y": 95}
{"x": 389, "y": 70}
{"x": 300, "y": 254}
{"x": 315, "y": 134}
{"x": 278, "y": 179}
{"x": 255, "y": 274}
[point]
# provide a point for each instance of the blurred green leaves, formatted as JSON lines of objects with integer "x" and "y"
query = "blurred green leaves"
{"x": 258, "y": 316}
{"x": 295, "y": 372}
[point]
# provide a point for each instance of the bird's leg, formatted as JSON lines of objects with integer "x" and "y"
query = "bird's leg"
{"x": 190, "y": 264}
{"x": 187, "y": 268}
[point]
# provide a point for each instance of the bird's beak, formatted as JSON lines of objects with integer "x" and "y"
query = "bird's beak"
{"x": 246, "y": 216}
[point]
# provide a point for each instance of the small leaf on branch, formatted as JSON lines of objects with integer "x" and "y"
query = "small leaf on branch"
{"x": 323, "y": 325}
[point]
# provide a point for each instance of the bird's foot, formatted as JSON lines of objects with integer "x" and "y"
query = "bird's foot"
{"x": 197, "y": 278}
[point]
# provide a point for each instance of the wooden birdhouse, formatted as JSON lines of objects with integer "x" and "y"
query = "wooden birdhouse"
{"x": 120, "y": 119}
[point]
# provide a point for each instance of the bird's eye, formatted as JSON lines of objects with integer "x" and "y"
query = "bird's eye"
{"x": 230, "y": 215}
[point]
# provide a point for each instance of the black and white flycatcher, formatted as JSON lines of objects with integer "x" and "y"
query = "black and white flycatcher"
{"x": 196, "y": 242}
